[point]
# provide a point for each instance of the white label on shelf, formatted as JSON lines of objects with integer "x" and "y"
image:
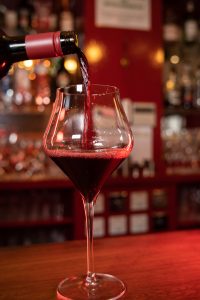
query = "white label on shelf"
{"x": 117, "y": 225}
{"x": 129, "y": 14}
{"x": 139, "y": 200}
{"x": 99, "y": 227}
{"x": 139, "y": 223}
{"x": 143, "y": 145}
{"x": 144, "y": 113}
{"x": 100, "y": 204}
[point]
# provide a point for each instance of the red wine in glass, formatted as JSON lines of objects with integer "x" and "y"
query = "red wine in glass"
{"x": 88, "y": 136}
{"x": 89, "y": 171}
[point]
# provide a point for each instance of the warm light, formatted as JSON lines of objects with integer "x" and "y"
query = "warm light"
{"x": 170, "y": 85}
{"x": 38, "y": 100}
{"x": 94, "y": 52}
{"x": 47, "y": 63}
{"x": 20, "y": 65}
{"x": 46, "y": 100}
{"x": 59, "y": 137}
{"x": 70, "y": 65}
{"x": 174, "y": 59}
{"x": 159, "y": 56}
{"x": 32, "y": 76}
{"x": 28, "y": 63}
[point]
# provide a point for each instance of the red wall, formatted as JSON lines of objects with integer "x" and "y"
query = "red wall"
{"x": 141, "y": 79}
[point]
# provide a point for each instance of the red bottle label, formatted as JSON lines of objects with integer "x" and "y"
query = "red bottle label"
{"x": 43, "y": 45}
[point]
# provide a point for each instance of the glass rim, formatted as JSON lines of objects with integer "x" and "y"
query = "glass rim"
{"x": 113, "y": 89}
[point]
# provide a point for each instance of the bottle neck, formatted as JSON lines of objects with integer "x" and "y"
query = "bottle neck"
{"x": 42, "y": 45}
{"x": 17, "y": 48}
{"x": 69, "y": 42}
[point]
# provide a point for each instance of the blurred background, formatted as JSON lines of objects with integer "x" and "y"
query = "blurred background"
{"x": 150, "y": 50}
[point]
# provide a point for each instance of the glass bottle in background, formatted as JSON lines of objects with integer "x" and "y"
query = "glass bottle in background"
{"x": 22, "y": 89}
{"x": 63, "y": 76}
{"x": 42, "y": 84}
{"x": 67, "y": 72}
{"x": 10, "y": 22}
{"x": 66, "y": 18}
{"x": 196, "y": 102}
{"x": 3, "y": 10}
{"x": 172, "y": 31}
{"x": 41, "y": 19}
{"x": 25, "y": 12}
{"x": 191, "y": 26}
{"x": 187, "y": 86}
{"x": 172, "y": 88}
{"x": 6, "y": 91}
{"x": 172, "y": 34}
{"x": 77, "y": 8}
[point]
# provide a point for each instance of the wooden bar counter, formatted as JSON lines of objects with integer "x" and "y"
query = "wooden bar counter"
{"x": 155, "y": 266}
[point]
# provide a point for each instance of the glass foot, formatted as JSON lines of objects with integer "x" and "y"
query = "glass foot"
{"x": 105, "y": 287}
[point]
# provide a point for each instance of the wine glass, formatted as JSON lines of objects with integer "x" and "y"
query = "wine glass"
{"x": 88, "y": 136}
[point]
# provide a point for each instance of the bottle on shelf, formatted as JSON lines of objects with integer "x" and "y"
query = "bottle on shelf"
{"x": 196, "y": 101}
{"x": 25, "y": 13}
{"x": 191, "y": 26}
{"x": 42, "y": 16}
{"x": 6, "y": 91}
{"x": 35, "y": 46}
{"x": 10, "y": 22}
{"x": 172, "y": 31}
{"x": 22, "y": 94}
{"x": 172, "y": 88}
{"x": 66, "y": 18}
{"x": 42, "y": 84}
{"x": 62, "y": 76}
{"x": 187, "y": 86}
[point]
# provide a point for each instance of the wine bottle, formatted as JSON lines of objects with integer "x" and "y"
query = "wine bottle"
{"x": 172, "y": 88}
{"x": 197, "y": 88}
{"x": 35, "y": 46}
{"x": 191, "y": 27}
{"x": 187, "y": 86}
{"x": 172, "y": 32}
{"x": 66, "y": 18}
{"x": 25, "y": 12}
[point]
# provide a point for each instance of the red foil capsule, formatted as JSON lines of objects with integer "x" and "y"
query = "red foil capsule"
{"x": 43, "y": 45}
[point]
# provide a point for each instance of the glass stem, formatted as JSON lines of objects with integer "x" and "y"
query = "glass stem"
{"x": 89, "y": 217}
